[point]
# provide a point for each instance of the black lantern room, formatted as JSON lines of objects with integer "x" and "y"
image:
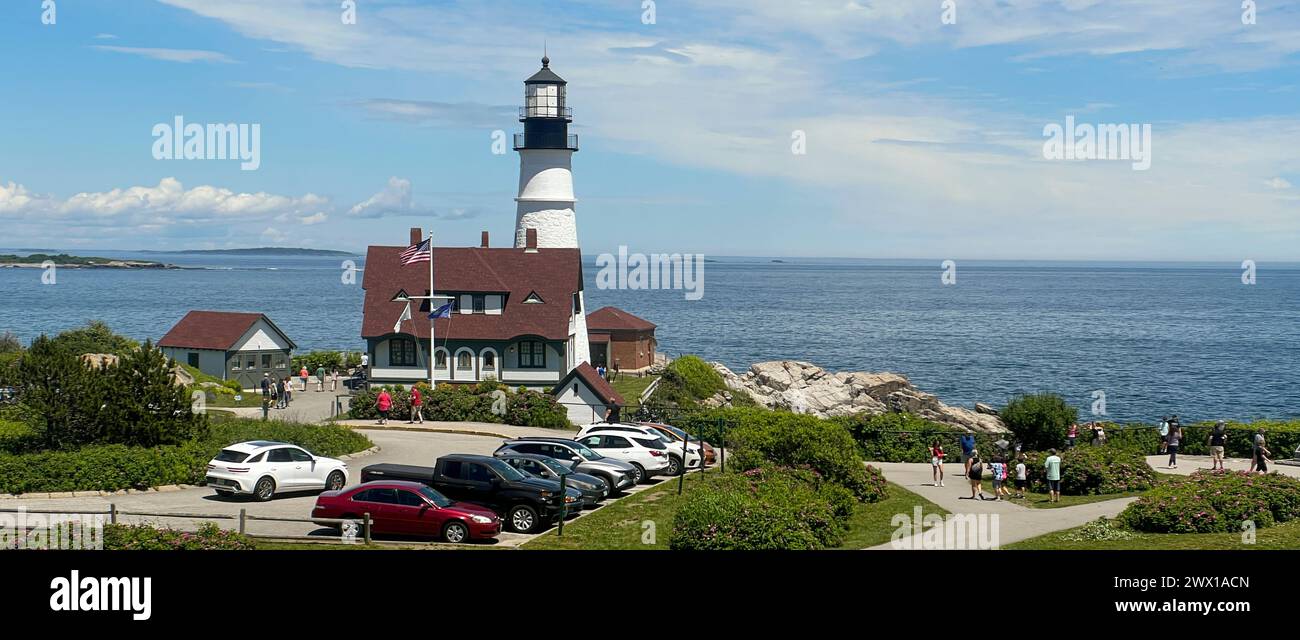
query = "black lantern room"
{"x": 545, "y": 116}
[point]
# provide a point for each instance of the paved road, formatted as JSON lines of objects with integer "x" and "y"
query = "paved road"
{"x": 403, "y": 447}
{"x": 1015, "y": 522}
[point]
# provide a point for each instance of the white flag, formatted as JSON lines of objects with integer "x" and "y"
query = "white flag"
{"x": 406, "y": 315}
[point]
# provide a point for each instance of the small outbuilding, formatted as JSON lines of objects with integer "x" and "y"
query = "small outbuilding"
{"x": 587, "y": 396}
{"x": 230, "y": 346}
{"x": 621, "y": 341}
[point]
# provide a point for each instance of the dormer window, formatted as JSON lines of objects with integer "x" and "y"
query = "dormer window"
{"x": 533, "y": 298}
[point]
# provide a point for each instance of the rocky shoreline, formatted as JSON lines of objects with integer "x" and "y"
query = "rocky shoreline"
{"x": 804, "y": 387}
{"x": 109, "y": 264}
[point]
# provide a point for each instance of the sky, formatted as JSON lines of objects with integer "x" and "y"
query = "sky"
{"x": 891, "y": 129}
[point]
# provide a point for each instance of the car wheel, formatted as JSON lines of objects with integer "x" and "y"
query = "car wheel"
{"x": 640, "y": 474}
{"x": 674, "y": 465}
{"x": 225, "y": 493}
{"x": 455, "y": 531}
{"x": 265, "y": 489}
{"x": 334, "y": 482}
{"x": 523, "y": 518}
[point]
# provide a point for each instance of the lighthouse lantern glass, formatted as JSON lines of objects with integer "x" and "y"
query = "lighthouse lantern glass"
{"x": 544, "y": 100}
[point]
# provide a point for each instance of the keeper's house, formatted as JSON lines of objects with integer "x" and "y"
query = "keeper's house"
{"x": 230, "y": 346}
{"x": 516, "y": 315}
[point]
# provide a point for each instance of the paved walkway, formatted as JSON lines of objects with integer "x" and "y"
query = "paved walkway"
{"x": 1015, "y": 522}
{"x": 307, "y": 406}
{"x": 1189, "y": 464}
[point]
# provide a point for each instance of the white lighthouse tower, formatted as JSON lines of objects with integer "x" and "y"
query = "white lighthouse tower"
{"x": 545, "y": 201}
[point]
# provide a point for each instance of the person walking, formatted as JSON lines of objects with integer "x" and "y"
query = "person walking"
{"x": 417, "y": 404}
{"x": 967, "y": 441}
{"x": 1261, "y": 453}
{"x": 936, "y": 463}
{"x": 1172, "y": 442}
{"x": 1022, "y": 476}
{"x": 303, "y": 374}
{"x": 334, "y": 381}
{"x": 384, "y": 403}
{"x": 1053, "y": 468}
{"x": 266, "y": 387}
{"x": 996, "y": 472}
{"x": 282, "y": 401}
{"x": 1217, "y": 439}
{"x": 320, "y": 379}
{"x": 1071, "y": 435}
{"x": 288, "y": 391}
{"x": 975, "y": 474}
{"x": 1164, "y": 435}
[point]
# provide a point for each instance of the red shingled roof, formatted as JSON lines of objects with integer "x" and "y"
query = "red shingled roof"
{"x": 595, "y": 382}
{"x": 555, "y": 274}
{"x": 218, "y": 330}
{"x": 615, "y": 319}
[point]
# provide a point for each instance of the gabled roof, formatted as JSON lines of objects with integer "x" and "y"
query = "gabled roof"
{"x": 592, "y": 379}
{"x": 554, "y": 274}
{"x": 615, "y": 319}
{"x": 218, "y": 330}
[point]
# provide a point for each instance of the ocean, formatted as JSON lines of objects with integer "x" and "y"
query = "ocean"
{"x": 1155, "y": 339}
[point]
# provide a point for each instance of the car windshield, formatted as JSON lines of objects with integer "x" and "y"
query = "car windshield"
{"x": 655, "y": 443}
{"x": 505, "y": 471}
{"x": 585, "y": 452}
{"x": 555, "y": 466}
{"x": 230, "y": 455}
{"x": 436, "y": 498}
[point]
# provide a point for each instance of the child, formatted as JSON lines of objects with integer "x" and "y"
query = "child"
{"x": 936, "y": 463}
{"x": 1022, "y": 479}
{"x": 997, "y": 470}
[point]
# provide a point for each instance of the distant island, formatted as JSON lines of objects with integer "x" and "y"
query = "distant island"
{"x": 260, "y": 251}
{"x": 63, "y": 260}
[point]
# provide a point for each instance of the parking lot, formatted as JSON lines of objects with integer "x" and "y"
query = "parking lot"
{"x": 402, "y": 447}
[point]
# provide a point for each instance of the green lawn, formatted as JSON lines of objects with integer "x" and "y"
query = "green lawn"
{"x": 247, "y": 400}
{"x": 631, "y": 387}
{"x": 1283, "y": 536}
{"x": 1043, "y": 500}
{"x": 871, "y": 524}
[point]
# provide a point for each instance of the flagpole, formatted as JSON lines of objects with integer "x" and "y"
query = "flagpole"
{"x": 433, "y": 344}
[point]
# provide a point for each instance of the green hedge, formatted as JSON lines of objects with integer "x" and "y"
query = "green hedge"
{"x": 1088, "y": 470}
{"x": 903, "y": 437}
{"x": 465, "y": 403}
{"x": 802, "y": 441}
{"x": 1039, "y": 420}
{"x": 1215, "y": 501}
{"x": 115, "y": 467}
{"x": 209, "y": 537}
{"x": 762, "y": 509}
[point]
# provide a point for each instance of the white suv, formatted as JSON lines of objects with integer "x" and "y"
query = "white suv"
{"x": 693, "y": 459}
{"x": 648, "y": 455}
{"x": 263, "y": 469}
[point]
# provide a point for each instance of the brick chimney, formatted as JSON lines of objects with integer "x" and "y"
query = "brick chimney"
{"x": 530, "y": 242}
{"x": 415, "y": 235}
{"x": 484, "y": 243}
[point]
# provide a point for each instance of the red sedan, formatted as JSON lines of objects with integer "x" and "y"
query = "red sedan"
{"x": 409, "y": 509}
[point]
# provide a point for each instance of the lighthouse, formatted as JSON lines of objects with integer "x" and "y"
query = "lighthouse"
{"x": 545, "y": 201}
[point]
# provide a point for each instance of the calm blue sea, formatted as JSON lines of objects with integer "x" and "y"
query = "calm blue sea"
{"x": 1182, "y": 338}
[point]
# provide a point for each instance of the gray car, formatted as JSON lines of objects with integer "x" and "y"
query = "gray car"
{"x": 620, "y": 475}
{"x": 593, "y": 489}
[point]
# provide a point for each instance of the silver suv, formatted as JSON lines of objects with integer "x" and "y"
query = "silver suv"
{"x": 618, "y": 474}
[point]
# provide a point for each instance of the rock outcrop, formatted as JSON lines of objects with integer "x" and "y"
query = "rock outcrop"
{"x": 101, "y": 361}
{"x": 807, "y": 388}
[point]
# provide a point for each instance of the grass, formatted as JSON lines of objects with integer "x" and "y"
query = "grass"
{"x": 1283, "y": 536}
{"x": 871, "y": 523}
{"x": 247, "y": 400}
{"x": 631, "y": 387}
{"x": 620, "y": 524}
{"x": 1043, "y": 500}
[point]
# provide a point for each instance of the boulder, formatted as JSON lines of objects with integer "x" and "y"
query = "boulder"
{"x": 985, "y": 409}
{"x": 803, "y": 387}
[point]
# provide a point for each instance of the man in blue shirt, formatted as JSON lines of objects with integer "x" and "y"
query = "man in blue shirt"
{"x": 967, "y": 448}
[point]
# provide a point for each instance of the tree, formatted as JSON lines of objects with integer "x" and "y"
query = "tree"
{"x": 95, "y": 337}
{"x": 146, "y": 408}
{"x": 1040, "y": 420}
{"x": 9, "y": 343}
{"x": 60, "y": 394}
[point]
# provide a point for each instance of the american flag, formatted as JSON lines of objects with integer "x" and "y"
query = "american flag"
{"x": 417, "y": 253}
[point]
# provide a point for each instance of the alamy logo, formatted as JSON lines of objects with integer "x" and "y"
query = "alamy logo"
{"x": 656, "y": 271}
{"x": 63, "y": 531}
{"x": 75, "y": 593}
{"x": 180, "y": 141}
{"x": 1099, "y": 142}
{"x": 932, "y": 531}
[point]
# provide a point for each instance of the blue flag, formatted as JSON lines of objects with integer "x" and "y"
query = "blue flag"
{"x": 441, "y": 312}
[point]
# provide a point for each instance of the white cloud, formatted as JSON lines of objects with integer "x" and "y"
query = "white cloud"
{"x": 1277, "y": 183}
{"x": 395, "y": 199}
{"x": 315, "y": 218}
{"x": 170, "y": 55}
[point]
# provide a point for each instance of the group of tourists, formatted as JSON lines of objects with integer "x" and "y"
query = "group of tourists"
{"x": 321, "y": 378}
{"x": 277, "y": 392}
{"x": 1096, "y": 433}
{"x": 999, "y": 470}
{"x": 384, "y": 405}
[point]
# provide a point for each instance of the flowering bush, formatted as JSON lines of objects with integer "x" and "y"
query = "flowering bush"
{"x": 467, "y": 403}
{"x": 1094, "y": 471}
{"x": 763, "y": 509}
{"x": 1210, "y": 501}
{"x": 209, "y": 537}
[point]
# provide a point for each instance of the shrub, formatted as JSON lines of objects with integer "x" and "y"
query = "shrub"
{"x": 461, "y": 403}
{"x": 1215, "y": 501}
{"x": 209, "y": 537}
{"x": 331, "y": 360}
{"x": 94, "y": 337}
{"x": 1040, "y": 420}
{"x": 801, "y": 441}
{"x": 1089, "y": 470}
{"x": 328, "y": 440}
{"x": 903, "y": 437}
{"x": 686, "y": 381}
{"x": 761, "y": 510}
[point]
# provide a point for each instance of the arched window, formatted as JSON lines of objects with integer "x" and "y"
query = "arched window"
{"x": 489, "y": 360}
{"x": 440, "y": 359}
{"x": 464, "y": 362}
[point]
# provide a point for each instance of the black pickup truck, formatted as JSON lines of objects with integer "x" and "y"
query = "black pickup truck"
{"x": 526, "y": 504}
